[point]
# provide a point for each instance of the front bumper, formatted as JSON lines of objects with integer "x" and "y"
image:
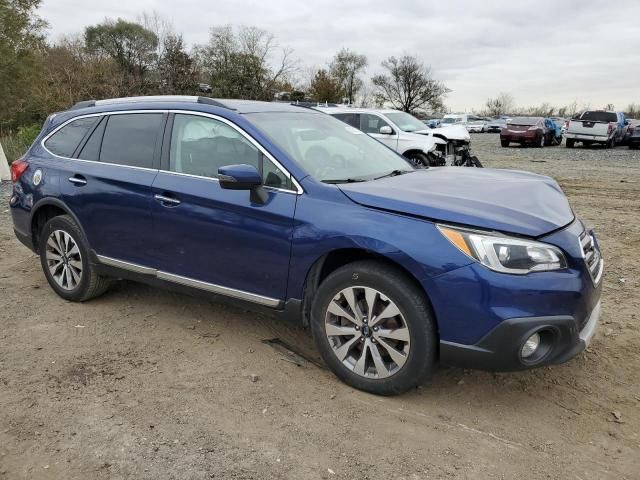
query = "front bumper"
{"x": 563, "y": 337}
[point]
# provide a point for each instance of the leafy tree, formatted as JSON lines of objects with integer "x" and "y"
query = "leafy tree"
{"x": 238, "y": 65}
{"x": 130, "y": 44}
{"x": 175, "y": 67}
{"x": 500, "y": 105}
{"x": 325, "y": 88}
{"x": 409, "y": 85}
{"x": 21, "y": 43}
{"x": 345, "y": 67}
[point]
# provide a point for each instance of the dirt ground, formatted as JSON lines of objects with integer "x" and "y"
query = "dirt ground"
{"x": 147, "y": 384}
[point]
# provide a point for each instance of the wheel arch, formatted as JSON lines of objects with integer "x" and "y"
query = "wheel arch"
{"x": 339, "y": 257}
{"x": 44, "y": 210}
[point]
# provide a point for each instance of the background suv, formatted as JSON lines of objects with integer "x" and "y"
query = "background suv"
{"x": 295, "y": 213}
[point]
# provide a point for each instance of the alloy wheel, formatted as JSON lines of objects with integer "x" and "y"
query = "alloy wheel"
{"x": 64, "y": 259}
{"x": 367, "y": 332}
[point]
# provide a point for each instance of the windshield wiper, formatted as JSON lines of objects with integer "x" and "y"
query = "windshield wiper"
{"x": 345, "y": 180}
{"x": 394, "y": 173}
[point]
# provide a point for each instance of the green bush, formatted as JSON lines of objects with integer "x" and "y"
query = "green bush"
{"x": 16, "y": 144}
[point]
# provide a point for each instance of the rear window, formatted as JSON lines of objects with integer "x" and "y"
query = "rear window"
{"x": 65, "y": 141}
{"x": 524, "y": 121}
{"x": 599, "y": 116}
{"x": 131, "y": 139}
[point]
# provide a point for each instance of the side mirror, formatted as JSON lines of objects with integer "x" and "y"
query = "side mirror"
{"x": 626, "y": 122}
{"x": 386, "y": 130}
{"x": 243, "y": 177}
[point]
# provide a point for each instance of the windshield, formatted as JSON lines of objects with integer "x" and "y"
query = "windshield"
{"x": 477, "y": 122}
{"x": 524, "y": 121}
{"x": 500, "y": 121}
{"x": 405, "y": 122}
{"x": 599, "y": 116}
{"x": 328, "y": 149}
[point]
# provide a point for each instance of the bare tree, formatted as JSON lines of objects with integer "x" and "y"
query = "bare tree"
{"x": 345, "y": 68}
{"x": 500, "y": 105}
{"x": 239, "y": 65}
{"x": 409, "y": 85}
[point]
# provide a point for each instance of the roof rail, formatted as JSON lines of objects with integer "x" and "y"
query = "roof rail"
{"x": 151, "y": 98}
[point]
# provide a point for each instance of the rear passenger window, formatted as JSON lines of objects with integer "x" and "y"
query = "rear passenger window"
{"x": 65, "y": 141}
{"x": 131, "y": 139}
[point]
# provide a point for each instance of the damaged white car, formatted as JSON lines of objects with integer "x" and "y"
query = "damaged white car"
{"x": 410, "y": 137}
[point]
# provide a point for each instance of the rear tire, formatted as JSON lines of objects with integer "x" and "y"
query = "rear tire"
{"x": 570, "y": 143}
{"x": 541, "y": 142}
{"x": 64, "y": 256}
{"x": 610, "y": 143}
{"x": 365, "y": 291}
{"x": 504, "y": 143}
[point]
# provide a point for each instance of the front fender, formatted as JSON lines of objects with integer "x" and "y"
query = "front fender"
{"x": 323, "y": 225}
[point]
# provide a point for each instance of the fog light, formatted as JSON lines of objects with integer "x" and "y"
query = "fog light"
{"x": 530, "y": 346}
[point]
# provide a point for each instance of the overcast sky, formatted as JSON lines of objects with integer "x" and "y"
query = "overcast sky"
{"x": 556, "y": 51}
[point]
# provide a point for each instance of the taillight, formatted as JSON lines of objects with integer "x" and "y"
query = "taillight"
{"x": 610, "y": 129}
{"x": 18, "y": 167}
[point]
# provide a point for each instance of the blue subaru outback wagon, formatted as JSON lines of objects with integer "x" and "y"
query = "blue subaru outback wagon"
{"x": 295, "y": 212}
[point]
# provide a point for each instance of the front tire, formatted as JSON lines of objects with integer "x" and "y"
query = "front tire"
{"x": 570, "y": 143}
{"x": 64, "y": 256}
{"x": 418, "y": 159}
{"x": 504, "y": 143}
{"x": 374, "y": 328}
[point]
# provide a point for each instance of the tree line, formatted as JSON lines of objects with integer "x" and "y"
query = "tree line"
{"x": 504, "y": 104}
{"x": 117, "y": 58}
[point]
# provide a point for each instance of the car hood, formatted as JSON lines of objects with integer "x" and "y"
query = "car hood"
{"x": 419, "y": 135}
{"x": 452, "y": 132}
{"x": 504, "y": 200}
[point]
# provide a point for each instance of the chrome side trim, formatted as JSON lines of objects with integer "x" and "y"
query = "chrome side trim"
{"x": 101, "y": 114}
{"x": 133, "y": 267}
{"x": 211, "y": 287}
{"x": 298, "y": 190}
{"x": 190, "y": 282}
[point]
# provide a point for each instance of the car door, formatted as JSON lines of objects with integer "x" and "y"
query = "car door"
{"x": 217, "y": 239}
{"x": 371, "y": 125}
{"x": 107, "y": 183}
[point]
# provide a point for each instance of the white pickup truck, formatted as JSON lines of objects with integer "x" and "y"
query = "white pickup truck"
{"x": 596, "y": 126}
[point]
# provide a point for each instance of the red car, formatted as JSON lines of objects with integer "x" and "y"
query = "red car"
{"x": 526, "y": 131}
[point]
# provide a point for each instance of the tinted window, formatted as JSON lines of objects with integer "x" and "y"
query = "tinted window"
{"x": 371, "y": 123}
{"x": 352, "y": 119}
{"x": 131, "y": 139}
{"x": 65, "y": 141}
{"x": 91, "y": 149}
{"x": 600, "y": 116}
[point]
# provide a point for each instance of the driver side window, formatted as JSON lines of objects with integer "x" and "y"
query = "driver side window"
{"x": 371, "y": 123}
{"x": 201, "y": 145}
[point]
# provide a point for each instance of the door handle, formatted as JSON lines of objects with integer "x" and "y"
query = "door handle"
{"x": 78, "y": 180}
{"x": 163, "y": 199}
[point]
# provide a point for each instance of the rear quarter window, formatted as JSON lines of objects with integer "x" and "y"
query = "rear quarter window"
{"x": 65, "y": 141}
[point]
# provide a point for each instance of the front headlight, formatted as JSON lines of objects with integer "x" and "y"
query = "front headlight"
{"x": 505, "y": 254}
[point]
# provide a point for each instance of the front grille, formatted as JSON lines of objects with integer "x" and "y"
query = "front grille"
{"x": 592, "y": 256}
